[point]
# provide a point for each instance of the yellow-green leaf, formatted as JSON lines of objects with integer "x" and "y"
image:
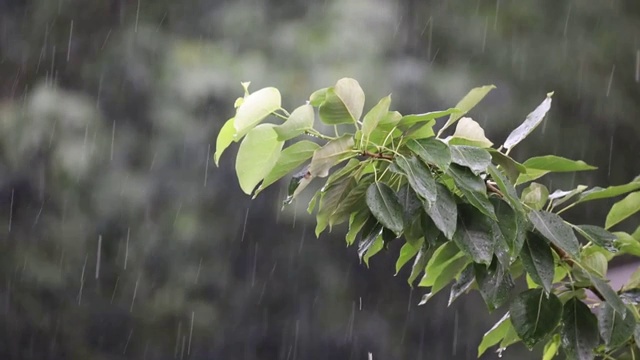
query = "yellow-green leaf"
{"x": 257, "y": 155}
{"x": 255, "y": 107}
{"x": 467, "y": 103}
{"x": 623, "y": 209}
{"x": 225, "y": 138}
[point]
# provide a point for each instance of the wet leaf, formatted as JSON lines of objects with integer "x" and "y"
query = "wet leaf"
{"x": 225, "y": 138}
{"x": 420, "y": 262}
{"x": 356, "y": 223}
{"x": 598, "y": 236}
{"x": 443, "y": 256}
{"x": 444, "y": 212}
{"x": 473, "y": 236}
{"x": 623, "y": 209}
{"x": 331, "y": 200}
{"x": 530, "y": 123}
{"x": 445, "y": 276}
{"x": 472, "y": 157}
{"x": 462, "y": 284}
{"x": 257, "y": 155}
{"x": 431, "y": 151}
{"x": 255, "y": 107}
{"x": 559, "y": 197}
{"x": 614, "y": 329}
{"x": 537, "y": 260}
{"x": 371, "y": 230}
{"x": 495, "y": 284}
{"x": 551, "y": 348}
{"x": 300, "y": 120}
{"x": 419, "y": 177}
{"x": 610, "y": 296}
{"x": 385, "y": 206}
{"x": 376, "y": 246}
{"x": 353, "y": 201}
{"x": 509, "y": 192}
{"x": 579, "y": 331}
{"x": 467, "y": 103}
{"x": 473, "y": 188}
{"x": 535, "y": 315}
{"x": 552, "y": 227}
{"x": 511, "y": 167}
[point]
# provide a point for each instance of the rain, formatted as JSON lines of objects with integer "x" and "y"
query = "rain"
{"x": 122, "y": 239}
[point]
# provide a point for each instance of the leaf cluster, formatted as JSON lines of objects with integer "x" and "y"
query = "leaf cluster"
{"x": 468, "y": 215}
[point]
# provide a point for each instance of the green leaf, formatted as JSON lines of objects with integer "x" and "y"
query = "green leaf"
{"x": 257, "y": 155}
{"x": 472, "y": 157}
{"x": 556, "y": 164}
{"x": 418, "y": 175}
{"x": 444, "y": 212}
{"x": 353, "y": 201}
{"x": 634, "y": 281}
{"x": 445, "y": 254}
{"x": 512, "y": 225}
{"x": 343, "y": 103}
{"x": 623, "y": 209}
{"x": 462, "y": 284}
{"x": 290, "y": 158}
{"x": 610, "y": 296}
{"x": 495, "y": 284}
{"x": 300, "y": 120}
{"x": 255, "y": 107}
{"x": 467, "y": 103}
{"x": 331, "y": 200}
{"x": 330, "y": 154}
{"x": 356, "y": 222}
{"x": 407, "y": 252}
{"x": 420, "y": 262}
{"x": 579, "y": 331}
{"x": 374, "y": 116}
{"x": 508, "y": 190}
{"x": 551, "y": 348}
{"x": 473, "y": 188}
{"x": 473, "y": 235}
{"x": 412, "y": 119}
{"x": 595, "y": 262}
{"x": 531, "y": 175}
{"x": 537, "y": 260}
{"x": 535, "y": 196}
{"x": 375, "y": 248}
{"x": 636, "y": 336}
{"x": 298, "y": 183}
{"x": 535, "y": 315}
{"x": 318, "y": 97}
{"x": 385, "y": 206}
{"x": 225, "y": 138}
{"x": 431, "y": 151}
{"x": 469, "y": 132}
{"x": 419, "y": 131}
{"x": 495, "y": 334}
{"x": 614, "y": 329}
{"x": 612, "y": 191}
{"x": 445, "y": 276}
{"x": 552, "y": 227}
{"x": 391, "y": 119}
{"x": 511, "y": 167}
{"x": 530, "y": 123}
{"x": 598, "y": 236}
{"x": 412, "y": 206}
{"x": 627, "y": 244}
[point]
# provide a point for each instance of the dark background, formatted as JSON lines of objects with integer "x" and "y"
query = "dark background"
{"x": 108, "y": 115}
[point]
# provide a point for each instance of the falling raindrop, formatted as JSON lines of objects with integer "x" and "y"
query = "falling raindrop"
{"x": 613, "y": 69}
{"x": 206, "y": 166}
{"x": 193, "y": 313}
{"x": 126, "y": 345}
{"x": 126, "y": 248}
{"x": 98, "y": 257}
{"x": 11, "y": 210}
{"x": 70, "y": 36}
{"x": 86, "y": 257}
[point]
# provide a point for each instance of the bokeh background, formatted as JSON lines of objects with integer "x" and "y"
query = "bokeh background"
{"x": 119, "y": 238}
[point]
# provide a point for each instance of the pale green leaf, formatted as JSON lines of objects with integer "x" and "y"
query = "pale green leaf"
{"x": 445, "y": 254}
{"x": 257, "y": 155}
{"x": 255, "y": 107}
{"x": 446, "y": 275}
{"x": 290, "y": 158}
{"x": 469, "y": 132}
{"x": 551, "y": 348}
{"x": 431, "y": 151}
{"x": 407, "y": 252}
{"x": 300, "y": 120}
{"x": 612, "y": 191}
{"x": 495, "y": 334}
{"x": 411, "y": 119}
{"x": 530, "y": 175}
{"x": 535, "y": 196}
{"x": 330, "y": 154}
{"x": 472, "y": 157}
{"x": 318, "y": 97}
{"x": 530, "y": 123}
{"x": 375, "y": 116}
{"x": 343, "y": 103}
{"x": 225, "y": 138}
{"x": 556, "y": 164}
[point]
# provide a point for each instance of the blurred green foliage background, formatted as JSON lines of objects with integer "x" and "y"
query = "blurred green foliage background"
{"x": 119, "y": 239}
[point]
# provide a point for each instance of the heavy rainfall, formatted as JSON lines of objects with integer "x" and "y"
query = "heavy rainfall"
{"x": 121, "y": 239}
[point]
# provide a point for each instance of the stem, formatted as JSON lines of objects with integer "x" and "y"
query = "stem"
{"x": 285, "y": 111}
{"x": 377, "y": 155}
{"x": 315, "y": 133}
{"x": 283, "y": 117}
{"x": 565, "y": 208}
